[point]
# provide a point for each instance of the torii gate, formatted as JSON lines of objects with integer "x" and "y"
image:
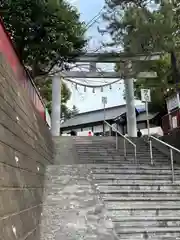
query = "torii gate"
{"x": 128, "y": 74}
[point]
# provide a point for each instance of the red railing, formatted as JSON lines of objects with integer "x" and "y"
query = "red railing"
{"x": 167, "y": 121}
{"x": 9, "y": 52}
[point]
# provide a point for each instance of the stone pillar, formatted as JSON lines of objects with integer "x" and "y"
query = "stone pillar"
{"x": 130, "y": 101}
{"x": 56, "y": 106}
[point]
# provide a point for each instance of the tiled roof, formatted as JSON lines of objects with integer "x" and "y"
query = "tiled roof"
{"x": 143, "y": 117}
{"x": 94, "y": 116}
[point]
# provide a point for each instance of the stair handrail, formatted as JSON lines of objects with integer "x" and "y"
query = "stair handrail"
{"x": 171, "y": 148}
{"x": 125, "y": 139}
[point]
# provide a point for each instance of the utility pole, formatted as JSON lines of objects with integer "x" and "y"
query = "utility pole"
{"x": 104, "y": 101}
{"x": 146, "y": 98}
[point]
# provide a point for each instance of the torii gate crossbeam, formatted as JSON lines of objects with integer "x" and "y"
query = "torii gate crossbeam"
{"x": 114, "y": 57}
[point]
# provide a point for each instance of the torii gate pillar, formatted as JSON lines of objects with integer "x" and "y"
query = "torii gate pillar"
{"x": 130, "y": 106}
{"x": 130, "y": 101}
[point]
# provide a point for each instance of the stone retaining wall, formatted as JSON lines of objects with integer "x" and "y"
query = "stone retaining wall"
{"x": 26, "y": 148}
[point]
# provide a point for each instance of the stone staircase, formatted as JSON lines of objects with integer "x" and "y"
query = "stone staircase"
{"x": 116, "y": 198}
{"x": 140, "y": 199}
{"x": 102, "y": 150}
{"x": 72, "y": 207}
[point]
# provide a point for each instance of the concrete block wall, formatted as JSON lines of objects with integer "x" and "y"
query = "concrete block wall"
{"x": 26, "y": 148}
{"x": 65, "y": 150}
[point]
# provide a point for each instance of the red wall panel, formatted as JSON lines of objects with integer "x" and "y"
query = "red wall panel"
{"x": 8, "y": 51}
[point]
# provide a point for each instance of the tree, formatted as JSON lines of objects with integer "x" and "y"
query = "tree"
{"x": 160, "y": 86}
{"x": 74, "y": 111}
{"x": 139, "y": 30}
{"x": 45, "y": 33}
{"x": 45, "y": 87}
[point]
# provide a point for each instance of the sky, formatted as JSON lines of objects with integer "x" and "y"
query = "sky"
{"x": 87, "y": 101}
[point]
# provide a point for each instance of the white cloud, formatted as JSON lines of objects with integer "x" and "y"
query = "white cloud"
{"x": 74, "y": 2}
{"x": 86, "y": 101}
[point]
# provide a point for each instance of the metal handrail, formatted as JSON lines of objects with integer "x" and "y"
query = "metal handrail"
{"x": 125, "y": 139}
{"x": 171, "y": 152}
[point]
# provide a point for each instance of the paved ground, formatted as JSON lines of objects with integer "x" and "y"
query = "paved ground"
{"x": 72, "y": 208}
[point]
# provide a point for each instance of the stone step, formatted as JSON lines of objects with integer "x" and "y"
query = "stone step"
{"x": 139, "y": 150}
{"x": 147, "y": 154}
{"x": 110, "y": 160}
{"x": 94, "y": 145}
{"x": 116, "y": 154}
{"x": 100, "y": 156}
{"x": 143, "y": 213}
{"x": 143, "y": 205}
{"x": 159, "y": 236}
{"x": 95, "y": 150}
{"x": 91, "y": 161}
{"x": 124, "y": 166}
{"x": 129, "y": 157}
{"x": 98, "y": 161}
{"x": 98, "y": 153}
{"x": 149, "y": 233}
{"x": 102, "y": 162}
{"x": 146, "y": 223}
{"x": 116, "y": 158}
{"x": 143, "y": 199}
{"x": 148, "y": 218}
{"x": 140, "y": 187}
{"x": 119, "y": 162}
{"x": 111, "y": 146}
{"x": 115, "y": 194}
{"x": 112, "y": 150}
{"x": 106, "y": 160}
{"x": 95, "y": 138}
{"x": 132, "y": 181}
{"x": 138, "y": 176}
{"x": 134, "y": 171}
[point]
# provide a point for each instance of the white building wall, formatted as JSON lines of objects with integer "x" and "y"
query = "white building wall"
{"x": 77, "y": 129}
{"x": 63, "y": 132}
{"x": 107, "y": 128}
{"x": 74, "y": 129}
{"x": 87, "y": 129}
{"x": 98, "y": 129}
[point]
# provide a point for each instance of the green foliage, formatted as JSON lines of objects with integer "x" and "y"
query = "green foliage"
{"x": 45, "y": 33}
{"x": 45, "y": 87}
{"x": 147, "y": 31}
{"x": 45, "y": 90}
{"x": 160, "y": 86}
{"x": 139, "y": 29}
{"x": 74, "y": 111}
